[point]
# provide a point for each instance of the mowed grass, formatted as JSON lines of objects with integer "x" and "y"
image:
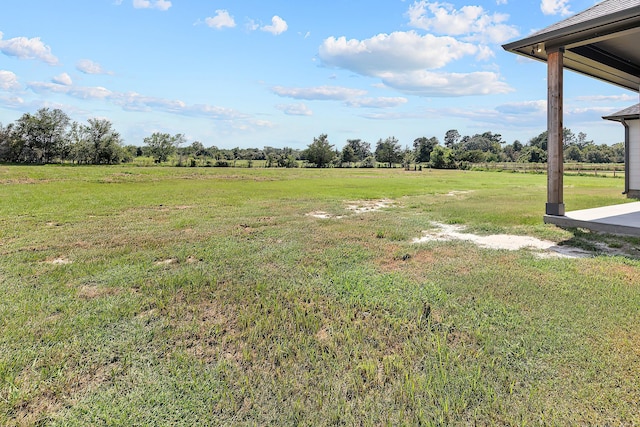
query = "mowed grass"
{"x": 169, "y": 296}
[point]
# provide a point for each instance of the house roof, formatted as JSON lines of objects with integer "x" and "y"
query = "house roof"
{"x": 600, "y": 42}
{"x": 632, "y": 112}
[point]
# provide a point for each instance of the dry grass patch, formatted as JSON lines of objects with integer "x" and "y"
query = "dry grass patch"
{"x": 92, "y": 291}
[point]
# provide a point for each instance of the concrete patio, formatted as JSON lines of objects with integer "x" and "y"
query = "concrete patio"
{"x": 621, "y": 219}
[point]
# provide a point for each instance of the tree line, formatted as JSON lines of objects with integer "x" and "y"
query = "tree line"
{"x": 49, "y": 136}
{"x": 458, "y": 152}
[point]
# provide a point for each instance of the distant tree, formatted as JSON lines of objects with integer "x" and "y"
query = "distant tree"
{"x": 408, "y": 157}
{"x": 442, "y": 158}
{"x": 42, "y": 135}
{"x": 105, "y": 141}
{"x": 486, "y": 142}
{"x": 573, "y": 153}
{"x": 617, "y": 152}
{"x": 361, "y": 149}
{"x": 539, "y": 141}
{"x": 320, "y": 152}
{"x": 512, "y": 151}
{"x": 7, "y": 143}
{"x": 597, "y": 153}
{"x": 348, "y": 155}
{"x": 423, "y": 147}
{"x": 162, "y": 145}
{"x": 532, "y": 154}
{"x": 472, "y": 156}
{"x": 388, "y": 151}
{"x": 368, "y": 162}
{"x": 517, "y": 146}
{"x": 451, "y": 138}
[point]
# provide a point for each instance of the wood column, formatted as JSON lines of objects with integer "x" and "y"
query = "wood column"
{"x": 555, "y": 64}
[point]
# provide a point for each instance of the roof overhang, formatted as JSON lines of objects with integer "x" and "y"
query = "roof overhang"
{"x": 606, "y": 48}
{"x": 631, "y": 113}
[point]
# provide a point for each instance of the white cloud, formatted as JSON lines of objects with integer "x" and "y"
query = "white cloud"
{"x": 555, "y": 7}
{"x": 381, "y": 102}
{"x": 221, "y": 20}
{"x": 523, "y": 108}
{"x": 472, "y": 22}
{"x": 8, "y": 81}
{"x": 148, "y": 4}
{"x": 63, "y": 79}
{"x": 87, "y": 66}
{"x": 81, "y": 92}
{"x": 278, "y": 26}
{"x": 398, "y": 51}
{"x": 12, "y": 102}
{"x": 405, "y": 61}
{"x": 252, "y": 25}
{"x": 24, "y": 48}
{"x": 162, "y": 4}
{"x": 425, "y": 83}
{"x": 608, "y": 98}
{"x": 322, "y": 93}
{"x": 502, "y": 1}
{"x": 132, "y": 101}
{"x": 295, "y": 109}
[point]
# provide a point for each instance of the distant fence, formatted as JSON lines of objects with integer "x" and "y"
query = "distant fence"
{"x": 614, "y": 170}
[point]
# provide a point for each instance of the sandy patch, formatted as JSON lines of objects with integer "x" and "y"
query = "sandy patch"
{"x": 323, "y": 215}
{"x": 59, "y": 261}
{"x": 544, "y": 248}
{"x": 357, "y": 207}
{"x": 457, "y": 193}
{"x": 169, "y": 261}
{"x": 364, "y": 206}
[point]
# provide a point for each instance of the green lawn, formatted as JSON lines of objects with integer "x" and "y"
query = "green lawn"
{"x": 205, "y": 296}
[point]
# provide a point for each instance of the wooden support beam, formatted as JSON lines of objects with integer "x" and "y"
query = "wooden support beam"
{"x": 555, "y": 64}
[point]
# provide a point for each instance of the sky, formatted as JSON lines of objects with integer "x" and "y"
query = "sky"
{"x": 255, "y": 73}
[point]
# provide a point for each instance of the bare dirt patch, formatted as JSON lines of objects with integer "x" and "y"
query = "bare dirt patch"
{"x": 59, "y": 261}
{"x": 323, "y": 215}
{"x": 357, "y": 207}
{"x": 364, "y": 206}
{"x": 544, "y": 248}
{"x": 458, "y": 193}
{"x": 168, "y": 261}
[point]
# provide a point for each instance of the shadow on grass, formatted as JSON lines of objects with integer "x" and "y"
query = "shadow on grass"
{"x": 603, "y": 243}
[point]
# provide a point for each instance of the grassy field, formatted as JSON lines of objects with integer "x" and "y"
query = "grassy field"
{"x": 175, "y": 296}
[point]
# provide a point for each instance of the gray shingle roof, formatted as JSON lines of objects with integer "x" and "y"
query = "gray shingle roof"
{"x": 600, "y": 42}
{"x": 630, "y": 112}
{"x": 600, "y": 10}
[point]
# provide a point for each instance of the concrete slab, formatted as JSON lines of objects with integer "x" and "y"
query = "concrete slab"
{"x": 621, "y": 219}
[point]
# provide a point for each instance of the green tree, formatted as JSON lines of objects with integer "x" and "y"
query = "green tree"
{"x": 408, "y": 157}
{"x": 451, "y": 138}
{"x": 42, "y": 135}
{"x": 539, "y": 141}
{"x": 423, "y": 147}
{"x": 162, "y": 145}
{"x": 106, "y": 142}
{"x": 320, "y": 152}
{"x": 9, "y": 152}
{"x": 532, "y": 154}
{"x": 442, "y": 158}
{"x": 348, "y": 154}
{"x": 361, "y": 149}
{"x": 573, "y": 153}
{"x": 388, "y": 151}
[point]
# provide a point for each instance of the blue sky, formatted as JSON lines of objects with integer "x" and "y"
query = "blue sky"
{"x": 279, "y": 73}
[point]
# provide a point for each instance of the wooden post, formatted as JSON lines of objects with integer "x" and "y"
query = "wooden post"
{"x": 555, "y": 203}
